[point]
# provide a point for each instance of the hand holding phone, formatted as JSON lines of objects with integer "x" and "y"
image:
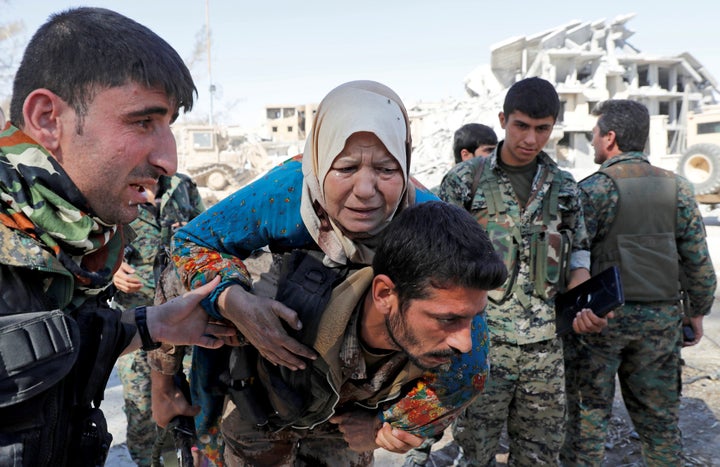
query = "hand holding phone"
{"x": 602, "y": 293}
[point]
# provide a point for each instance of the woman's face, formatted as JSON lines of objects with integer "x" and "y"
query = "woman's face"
{"x": 364, "y": 184}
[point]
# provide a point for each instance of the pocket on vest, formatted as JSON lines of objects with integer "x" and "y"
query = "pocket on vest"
{"x": 36, "y": 351}
{"x": 649, "y": 266}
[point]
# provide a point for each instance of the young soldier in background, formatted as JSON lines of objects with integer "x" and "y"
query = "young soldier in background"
{"x": 473, "y": 140}
{"x": 532, "y": 213}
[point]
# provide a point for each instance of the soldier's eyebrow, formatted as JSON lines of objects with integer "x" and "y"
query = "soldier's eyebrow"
{"x": 146, "y": 111}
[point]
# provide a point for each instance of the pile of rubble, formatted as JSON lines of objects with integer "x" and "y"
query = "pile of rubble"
{"x": 433, "y": 127}
{"x": 587, "y": 62}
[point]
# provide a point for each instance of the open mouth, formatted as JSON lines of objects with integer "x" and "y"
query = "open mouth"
{"x": 142, "y": 194}
{"x": 362, "y": 211}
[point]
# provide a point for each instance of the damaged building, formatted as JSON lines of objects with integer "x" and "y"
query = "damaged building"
{"x": 587, "y": 62}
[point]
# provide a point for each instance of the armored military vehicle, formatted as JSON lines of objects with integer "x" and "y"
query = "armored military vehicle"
{"x": 218, "y": 159}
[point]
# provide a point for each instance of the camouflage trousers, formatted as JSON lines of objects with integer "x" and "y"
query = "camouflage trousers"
{"x": 134, "y": 373}
{"x": 249, "y": 445}
{"x": 526, "y": 390}
{"x": 642, "y": 346}
{"x": 142, "y": 432}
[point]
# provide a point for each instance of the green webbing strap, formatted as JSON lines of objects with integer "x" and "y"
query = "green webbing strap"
{"x": 540, "y": 248}
{"x": 496, "y": 196}
{"x": 491, "y": 188}
{"x": 522, "y": 297}
{"x": 550, "y": 208}
{"x": 484, "y": 177}
{"x": 474, "y": 186}
{"x": 541, "y": 253}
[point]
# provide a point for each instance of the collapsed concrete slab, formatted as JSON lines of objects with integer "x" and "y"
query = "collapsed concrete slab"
{"x": 587, "y": 62}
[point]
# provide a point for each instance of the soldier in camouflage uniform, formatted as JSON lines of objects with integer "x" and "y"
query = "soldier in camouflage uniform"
{"x": 176, "y": 202}
{"x": 644, "y": 220}
{"x": 89, "y": 133}
{"x": 532, "y": 213}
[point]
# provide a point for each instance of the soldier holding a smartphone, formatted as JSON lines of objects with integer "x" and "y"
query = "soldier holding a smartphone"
{"x": 644, "y": 220}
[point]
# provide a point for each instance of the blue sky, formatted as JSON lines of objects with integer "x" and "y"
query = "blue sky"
{"x": 292, "y": 52}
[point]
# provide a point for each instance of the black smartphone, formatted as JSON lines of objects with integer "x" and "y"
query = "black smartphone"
{"x": 688, "y": 333}
{"x": 602, "y": 293}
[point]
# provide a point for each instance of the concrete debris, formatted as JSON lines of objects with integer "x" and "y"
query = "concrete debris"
{"x": 587, "y": 62}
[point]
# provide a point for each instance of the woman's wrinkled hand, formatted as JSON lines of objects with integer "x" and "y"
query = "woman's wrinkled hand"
{"x": 259, "y": 320}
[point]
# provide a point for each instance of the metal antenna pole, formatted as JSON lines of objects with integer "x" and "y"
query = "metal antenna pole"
{"x": 209, "y": 62}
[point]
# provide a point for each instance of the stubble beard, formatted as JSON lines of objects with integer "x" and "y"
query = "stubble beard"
{"x": 403, "y": 337}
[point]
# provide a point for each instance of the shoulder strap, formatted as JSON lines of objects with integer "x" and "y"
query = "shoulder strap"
{"x": 550, "y": 207}
{"x": 305, "y": 285}
{"x": 484, "y": 176}
{"x": 491, "y": 189}
{"x": 473, "y": 188}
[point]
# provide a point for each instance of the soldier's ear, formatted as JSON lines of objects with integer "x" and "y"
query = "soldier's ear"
{"x": 49, "y": 120}
{"x": 610, "y": 139}
{"x": 42, "y": 112}
{"x": 383, "y": 294}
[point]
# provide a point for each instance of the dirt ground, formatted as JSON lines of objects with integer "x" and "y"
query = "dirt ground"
{"x": 699, "y": 417}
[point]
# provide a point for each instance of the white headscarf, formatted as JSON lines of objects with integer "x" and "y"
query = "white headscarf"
{"x": 357, "y": 106}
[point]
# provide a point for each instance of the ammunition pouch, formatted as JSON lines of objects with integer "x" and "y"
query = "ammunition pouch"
{"x": 243, "y": 387}
{"x": 549, "y": 261}
{"x": 52, "y": 367}
{"x": 305, "y": 285}
{"x": 508, "y": 243}
{"x": 37, "y": 350}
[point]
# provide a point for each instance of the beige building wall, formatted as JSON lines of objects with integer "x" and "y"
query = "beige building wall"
{"x": 289, "y": 123}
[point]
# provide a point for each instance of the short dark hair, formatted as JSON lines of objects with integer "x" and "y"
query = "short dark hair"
{"x": 80, "y": 51}
{"x": 440, "y": 245}
{"x": 471, "y": 136}
{"x": 534, "y": 96}
{"x": 630, "y": 120}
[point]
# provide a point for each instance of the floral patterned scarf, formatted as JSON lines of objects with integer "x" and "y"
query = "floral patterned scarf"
{"x": 38, "y": 198}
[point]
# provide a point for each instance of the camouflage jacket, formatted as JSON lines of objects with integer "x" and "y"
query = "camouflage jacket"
{"x": 533, "y": 240}
{"x": 179, "y": 202}
{"x": 600, "y": 197}
{"x": 57, "y": 343}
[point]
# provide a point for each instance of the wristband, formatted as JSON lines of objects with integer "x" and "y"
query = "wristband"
{"x": 141, "y": 322}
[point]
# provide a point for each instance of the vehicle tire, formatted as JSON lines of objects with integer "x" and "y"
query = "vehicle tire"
{"x": 217, "y": 180}
{"x": 700, "y": 164}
